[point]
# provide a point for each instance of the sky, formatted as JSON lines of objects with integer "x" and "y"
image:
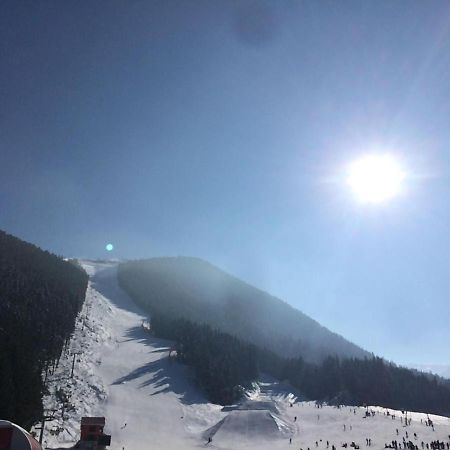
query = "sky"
{"x": 224, "y": 130}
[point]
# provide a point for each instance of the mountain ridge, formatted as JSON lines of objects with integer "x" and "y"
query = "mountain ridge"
{"x": 194, "y": 288}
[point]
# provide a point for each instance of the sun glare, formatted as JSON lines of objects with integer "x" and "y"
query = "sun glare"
{"x": 375, "y": 178}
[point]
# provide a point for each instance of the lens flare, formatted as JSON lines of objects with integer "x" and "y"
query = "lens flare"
{"x": 109, "y": 247}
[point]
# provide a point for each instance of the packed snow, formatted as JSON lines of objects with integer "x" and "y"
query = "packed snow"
{"x": 150, "y": 401}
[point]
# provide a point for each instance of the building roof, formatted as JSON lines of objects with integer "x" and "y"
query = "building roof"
{"x": 93, "y": 421}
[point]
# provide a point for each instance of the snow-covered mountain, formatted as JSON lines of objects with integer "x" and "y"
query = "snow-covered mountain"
{"x": 150, "y": 402}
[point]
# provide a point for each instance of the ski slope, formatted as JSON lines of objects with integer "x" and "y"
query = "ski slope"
{"x": 150, "y": 401}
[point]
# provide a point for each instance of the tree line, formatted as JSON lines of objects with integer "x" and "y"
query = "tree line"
{"x": 223, "y": 365}
{"x": 40, "y": 298}
{"x": 367, "y": 381}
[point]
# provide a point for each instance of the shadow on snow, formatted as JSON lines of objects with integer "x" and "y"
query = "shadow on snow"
{"x": 163, "y": 375}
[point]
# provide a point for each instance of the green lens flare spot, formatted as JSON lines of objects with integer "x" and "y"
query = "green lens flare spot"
{"x": 109, "y": 247}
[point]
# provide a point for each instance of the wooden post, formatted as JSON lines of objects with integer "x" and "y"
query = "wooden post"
{"x": 73, "y": 362}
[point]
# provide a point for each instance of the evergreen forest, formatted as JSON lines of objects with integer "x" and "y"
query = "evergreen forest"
{"x": 40, "y": 297}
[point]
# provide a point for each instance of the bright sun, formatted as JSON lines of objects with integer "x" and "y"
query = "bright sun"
{"x": 375, "y": 178}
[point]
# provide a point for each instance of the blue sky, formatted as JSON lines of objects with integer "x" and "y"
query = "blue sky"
{"x": 222, "y": 130}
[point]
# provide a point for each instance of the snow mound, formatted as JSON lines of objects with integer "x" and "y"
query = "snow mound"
{"x": 254, "y": 405}
{"x": 268, "y": 405}
{"x": 249, "y": 426}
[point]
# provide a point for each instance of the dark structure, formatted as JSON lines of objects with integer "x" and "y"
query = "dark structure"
{"x": 92, "y": 436}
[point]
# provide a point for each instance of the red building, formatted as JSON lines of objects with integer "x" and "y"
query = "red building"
{"x": 92, "y": 436}
{"x": 92, "y": 428}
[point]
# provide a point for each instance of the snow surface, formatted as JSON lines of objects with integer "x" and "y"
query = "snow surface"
{"x": 150, "y": 401}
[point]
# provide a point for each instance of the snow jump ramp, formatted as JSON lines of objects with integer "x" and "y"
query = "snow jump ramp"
{"x": 248, "y": 424}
